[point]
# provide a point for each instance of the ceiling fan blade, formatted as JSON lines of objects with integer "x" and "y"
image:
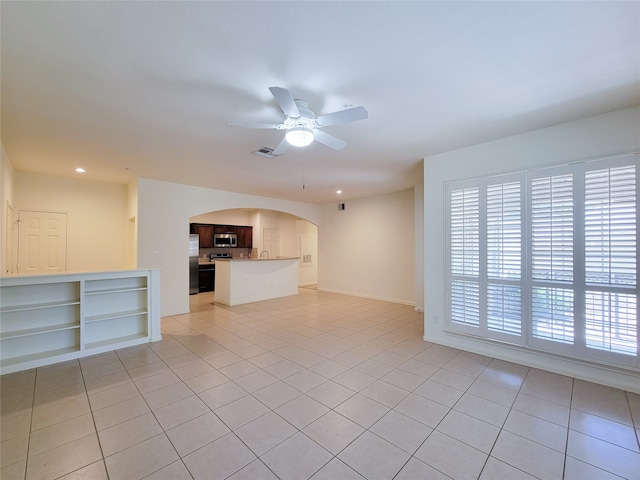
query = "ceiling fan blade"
{"x": 343, "y": 116}
{"x": 282, "y": 147}
{"x": 267, "y": 126}
{"x": 286, "y": 101}
{"x": 329, "y": 140}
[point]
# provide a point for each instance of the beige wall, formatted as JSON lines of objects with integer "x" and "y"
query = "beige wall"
{"x": 593, "y": 137}
{"x": 368, "y": 248}
{"x": 7, "y": 263}
{"x": 97, "y": 216}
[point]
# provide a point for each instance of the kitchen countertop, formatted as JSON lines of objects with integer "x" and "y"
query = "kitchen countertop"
{"x": 213, "y": 262}
{"x": 256, "y": 259}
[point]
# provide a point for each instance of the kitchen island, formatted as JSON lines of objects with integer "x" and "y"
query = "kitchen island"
{"x": 240, "y": 281}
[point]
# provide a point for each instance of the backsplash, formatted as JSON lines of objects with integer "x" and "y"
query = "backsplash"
{"x": 235, "y": 252}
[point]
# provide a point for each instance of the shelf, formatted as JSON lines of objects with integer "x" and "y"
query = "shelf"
{"x": 38, "y": 331}
{"x": 47, "y": 319}
{"x": 115, "y": 285}
{"x": 111, "y": 316}
{"x": 113, "y": 290}
{"x": 37, "y": 306}
{"x": 114, "y": 341}
{"x": 37, "y": 356}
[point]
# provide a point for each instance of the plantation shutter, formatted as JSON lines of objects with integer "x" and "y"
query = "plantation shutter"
{"x": 504, "y": 257}
{"x": 548, "y": 259}
{"x": 464, "y": 255}
{"x": 552, "y": 258}
{"x": 610, "y": 259}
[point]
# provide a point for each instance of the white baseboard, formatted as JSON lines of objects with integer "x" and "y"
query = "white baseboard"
{"x": 611, "y": 376}
{"x": 371, "y": 297}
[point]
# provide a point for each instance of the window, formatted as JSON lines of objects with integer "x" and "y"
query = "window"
{"x": 610, "y": 259}
{"x": 465, "y": 260}
{"x": 547, "y": 259}
{"x": 504, "y": 257}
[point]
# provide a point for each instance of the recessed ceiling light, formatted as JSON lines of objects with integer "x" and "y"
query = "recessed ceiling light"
{"x": 339, "y": 192}
{"x": 80, "y": 170}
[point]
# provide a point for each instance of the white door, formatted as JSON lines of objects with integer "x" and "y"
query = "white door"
{"x": 271, "y": 241}
{"x": 42, "y": 242}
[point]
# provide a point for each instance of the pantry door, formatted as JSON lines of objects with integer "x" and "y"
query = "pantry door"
{"x": 42, "y": 242}
{"x": 271, "y": 241}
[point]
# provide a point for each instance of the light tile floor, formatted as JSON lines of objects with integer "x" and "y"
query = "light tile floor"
{"x": 319, "y": 386}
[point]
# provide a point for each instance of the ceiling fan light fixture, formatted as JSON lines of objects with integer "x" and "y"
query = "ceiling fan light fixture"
{"x": 299, "y": 136}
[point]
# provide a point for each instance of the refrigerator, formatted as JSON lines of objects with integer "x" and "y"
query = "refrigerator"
{"x": 194, "y": 253}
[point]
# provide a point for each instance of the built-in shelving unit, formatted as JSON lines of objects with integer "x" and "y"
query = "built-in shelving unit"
{"x": 118, "y": 308}
{"x": 53, "y": 318}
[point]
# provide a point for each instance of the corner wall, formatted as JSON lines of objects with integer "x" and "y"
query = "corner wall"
{"x": 368, "y": 249}
{"x": 593, "y": 137}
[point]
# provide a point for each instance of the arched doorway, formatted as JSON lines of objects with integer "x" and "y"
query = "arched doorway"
{"x": 274, "y": 233}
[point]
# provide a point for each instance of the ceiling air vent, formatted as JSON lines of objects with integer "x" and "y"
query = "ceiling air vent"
{"x": 265, "y": 152}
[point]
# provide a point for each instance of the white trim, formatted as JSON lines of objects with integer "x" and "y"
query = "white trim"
{"x": 372, "y": 297}
{"x": 597, "y": 372}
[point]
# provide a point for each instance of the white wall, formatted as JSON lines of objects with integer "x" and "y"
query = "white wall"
{"x": 609, "y": 134}
{"x": 308, "y": 274}
{"x": 368, "y": 248}
{"x": 96, "y": 217}
{"x": 7, "y": 266}
{"x": 418, "y": 201}
{"x": 132, "y": 225}
{"x": 226, "y": 217}
{"x": 164, "y": 210}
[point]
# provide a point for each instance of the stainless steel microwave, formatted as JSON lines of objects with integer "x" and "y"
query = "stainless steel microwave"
{"x": 225, "y": 240}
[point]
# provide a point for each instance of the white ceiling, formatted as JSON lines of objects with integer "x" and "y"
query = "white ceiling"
{"x": 145, "y": 89}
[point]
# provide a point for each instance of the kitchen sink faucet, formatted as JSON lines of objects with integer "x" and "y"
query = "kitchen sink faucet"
{"x": 264, "y": 251}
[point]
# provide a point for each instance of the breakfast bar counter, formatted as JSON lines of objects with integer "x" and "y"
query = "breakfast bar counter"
{"x": 240, "y": 281}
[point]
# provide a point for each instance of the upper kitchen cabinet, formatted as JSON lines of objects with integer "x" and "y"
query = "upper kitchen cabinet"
{"x": 206, "y": 234}
{"x": 224, "y": 229}
{"x": 245, "y": 237}
{"x": 207, "y": 231}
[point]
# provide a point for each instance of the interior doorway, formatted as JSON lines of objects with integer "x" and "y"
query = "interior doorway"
{"x": 271, "y": 241}
{"x": 42, "y": 242}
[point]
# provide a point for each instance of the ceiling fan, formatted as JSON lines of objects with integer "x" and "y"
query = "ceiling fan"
{"x": 301, "y": 124}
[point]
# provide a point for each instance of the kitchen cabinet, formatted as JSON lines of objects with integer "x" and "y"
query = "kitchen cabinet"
{"x": 245, "y": 237}
{"x": 206, "y": 233}
{"x": 54, "y": 318}
{"x": 224, "y": 229}
{"x": 207, "y": 277}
